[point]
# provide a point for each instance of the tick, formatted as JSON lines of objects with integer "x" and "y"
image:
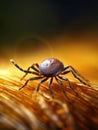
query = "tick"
{"x": 49, "y": 69}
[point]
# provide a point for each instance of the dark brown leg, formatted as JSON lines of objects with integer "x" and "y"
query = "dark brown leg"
{"x": 35, "y": 67}
{"x": 25, "y": 71}
{"x": 35, "y": 78}
{"x": 16, "y": 65}
{"x": 75, "y": 71}
{"x": 76, "y": 75}
{"x": 31, "y": 67}
{"x": 70, "y": 85}
{"x": 43, "y": 80}
{"x": 61, "y": 84}
{"x": 51, "y": 90}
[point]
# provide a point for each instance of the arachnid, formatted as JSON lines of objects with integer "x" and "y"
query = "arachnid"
{"x": 49, "y": 69}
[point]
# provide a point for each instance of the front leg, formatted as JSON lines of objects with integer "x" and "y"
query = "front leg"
{"x": 21, "y": 69}
{"x": 31, "y": 67}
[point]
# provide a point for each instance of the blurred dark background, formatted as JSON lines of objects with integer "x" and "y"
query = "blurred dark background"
{"x": 46, "y": 18}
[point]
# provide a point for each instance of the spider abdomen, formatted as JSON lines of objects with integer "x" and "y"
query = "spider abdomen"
{"x": 51, "y": 67}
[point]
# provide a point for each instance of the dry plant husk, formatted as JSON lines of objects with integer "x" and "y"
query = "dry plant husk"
{"x": 27, "y": 110}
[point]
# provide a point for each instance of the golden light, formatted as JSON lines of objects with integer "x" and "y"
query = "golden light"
{"x": 4, "y": 72}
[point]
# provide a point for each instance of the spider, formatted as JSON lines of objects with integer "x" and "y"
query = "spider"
{"x": 49, "y": 69}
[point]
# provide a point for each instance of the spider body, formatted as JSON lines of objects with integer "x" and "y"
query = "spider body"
{"x": 49, "y": 69}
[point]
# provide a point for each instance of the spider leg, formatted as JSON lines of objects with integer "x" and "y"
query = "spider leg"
{"x": 76, "y": 74}
{"x": 61, "y": 84}
{"x": 43, "y": 80}
{"x": 75, "y": 71}
{"x": 50, "y": 87}
{"x": 25, "y": 71}
{"x": 33, "y": 67}
{"x": 16, "y": 65}
{"x": 35, "y": 78}
{"x": 69, "y": 83}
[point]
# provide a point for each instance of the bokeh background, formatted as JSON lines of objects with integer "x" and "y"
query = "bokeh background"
{"x": 33, "y": 30}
